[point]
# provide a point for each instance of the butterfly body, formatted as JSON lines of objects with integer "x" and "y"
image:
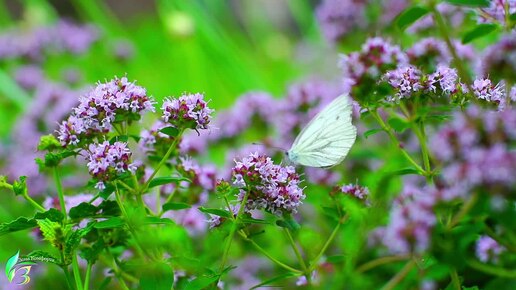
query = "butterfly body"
{"x": 327, "y": 138}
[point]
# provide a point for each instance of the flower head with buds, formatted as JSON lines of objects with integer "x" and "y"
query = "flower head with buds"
{"x": 272, "y": 187}
{"x": 108, "y": 161}
{"x": 188, "y": 110}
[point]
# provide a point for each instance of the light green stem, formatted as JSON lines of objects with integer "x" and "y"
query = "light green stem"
{"x": 76, "y": 272}
{"x": 270, "y": 257}
{"x": 388, "y": 130}
{"x": 492, "y": 270}
{"x": 233, "y": 229}
{"x": 455, "y": 279}
{"x": 25, "y": 196}
{"x": 163, "y": 160}
{"x": 381, "y": 261}
{"x": 298, "y": 254}
{"x": 315, "y": 260}
{"x": 466, "y": 207}
{"x": 399, "y": 276}
{"x": 88, "y": 276}
{"x": 60, "y": 193}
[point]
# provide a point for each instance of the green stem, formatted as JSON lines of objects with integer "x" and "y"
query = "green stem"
{"x": 455, "y": 279}
{"x": 298, "y": 254}
{"x": 126, "y": 186}
{"x": 399, "y": 276}
{"x": 444, "y": 32}
{"x": 59, "y": 188}
{"x": 314, "y": 262}
{"x": 76, "y": 272}
{"x": 381, "y": 261}
{"x": 425, "y": 153}
{"x": 163, "y": 160}
{"x": 88, "y": 275}
{"x": 492, "y": 270}
{"x": 66, "y": 272}
{"x": 388, "y": 130}
{"x": 463, "y": 211}
{"x": 25, "y": 196}
{"x": 118, "y": 272}
{"x": 233, "y": 229}
{"x": 270, "y": 257}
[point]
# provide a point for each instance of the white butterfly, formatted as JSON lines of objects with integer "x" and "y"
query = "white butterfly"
{"x": 327, "y": 138}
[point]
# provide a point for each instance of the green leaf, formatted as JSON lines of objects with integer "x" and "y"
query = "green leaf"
{"x": 273, "y": 280}
{"x": 91, "y": 254}
{"x": 398, "y": 124}
{"x": 512, "y": 17}
{"x": 20, "y": 187}
{"x": 159, "y": 276}
{"x": 479, "y": 31}
{"x": 109, "y": 208}
{"x": 250, "y": 220}
{"x": 121, "y": 138}
{"x": 23, "y": 223}
{"x": 166, "y": 180}
{"x": 152, "y": 220}
{"x": 107, "y": 191}
{"x": 10, "y": 265}
{"x": 83, "y": 210}
{"x": 73, "y": 240}
{"x": 170, "y": 131}
{"x": 216, "y": 211}
{"x": 114, "y": 222}
{"x": 409, "y": 16}
{"x": 175, "y": 206}
{"x": 405, "y": 171}
{"x": 469, "y": 3}
{"x": 201, "y": 282}
{"x": 289, "y": 223}
{"x": 371, "y": 132}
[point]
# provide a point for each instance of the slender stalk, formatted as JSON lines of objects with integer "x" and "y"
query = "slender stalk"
{"x": 444, "y": 33}
{"x": 315, "y": 260}
{"x": 25, "y": 196}
{"x": 400, "y": 275}
{"x": 270, "y": 257}
{"x": 233, "y": 229}
{"x": 125, "y": 185}
{"x": 76, "y": 272}
{"x": 66, "y": 272}
{"x": 60, "y": 194}
{"x": 298, "y": 254}
{"x": 466, "y": 207}
{"x": 492, "y": 270}
{"x": 455, "y": 279}
{"x": 388, "y": 130}
{"x": 381, "y": 261}
{"x": 88, "y": 275}
{"x": 500, "y": 240}
{"x": 425, "y": 153}
{"x": 163, "y": 160}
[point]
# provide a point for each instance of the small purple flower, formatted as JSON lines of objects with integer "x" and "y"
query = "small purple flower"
{"x": 488, "y": 250}
{"x": 201, "y": 176}
{"x": 106, "y": 162}
{"x": 355, "y": 190}
{"x": 444, "y": 79}
{"x": 98, "y": 108}
{"x": 189, "y": 109}
{"x": 496, "y": 12}
{"x": 271, "y": 187}
{"x": 406, "y": 81}
{"x": 483, "y": 89}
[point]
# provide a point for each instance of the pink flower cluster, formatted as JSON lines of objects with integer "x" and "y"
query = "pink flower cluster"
{"x": 106, "y": 161}
{"x": 97, "y": 109}
{"x": 272, "y": 187}
{"x": 190, "y": 110}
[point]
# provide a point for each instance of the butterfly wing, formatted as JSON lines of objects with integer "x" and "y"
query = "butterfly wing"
{"x": 327, "y": 138}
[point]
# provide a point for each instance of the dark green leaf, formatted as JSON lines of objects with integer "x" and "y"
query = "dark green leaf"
{"x": 512, "y": 17}
{"x": 107, "y": 191}
{"x": 250, "y": 220}
{"x": 157, "y": 277}
{"x": 216, "y": 211}
{"x": 289, "y": 223}
{"x": 469, "y": 3}
{"x": 273, "y": 280}
{"x": 91, "y": 254}
{"x": 371, "y": 132}
{"x": 201, "y": 282}
{"x": 20, "y": 187}
{"x": 109, "y": 208}
{"x": 166, "y": 180}
{"x": 122, "y": 138}
{"x": 73, "y": 240}
{"x": 114, "y": 222}
{"x": 175, "y": 206}
{"x": 23, "y": 223}
{"x": 152, "y": 220}
{"x": 83, "y": 210}
{"x": 479, "y": 31}
{"x": 170, "y": 131}
{"x": 405, "y": 171}
{"x": 398, "y": 124}
{"x": 410, "y": 15}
